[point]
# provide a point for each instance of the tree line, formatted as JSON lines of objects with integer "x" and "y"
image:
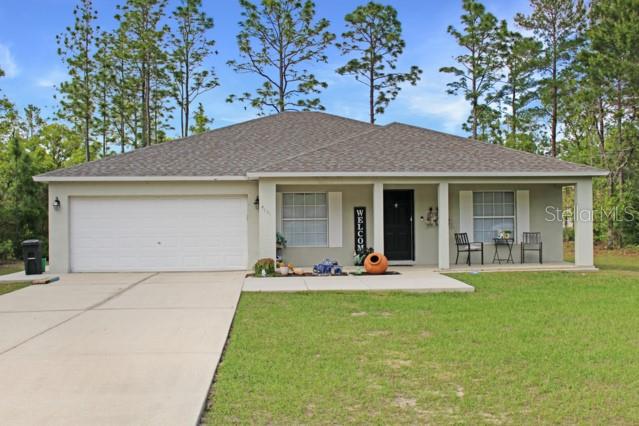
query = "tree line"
{"x": 128, "y": 85}
{"x": 563, "y": 80}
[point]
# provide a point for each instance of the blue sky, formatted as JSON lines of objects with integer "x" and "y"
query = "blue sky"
{"x": 28, "y": 56}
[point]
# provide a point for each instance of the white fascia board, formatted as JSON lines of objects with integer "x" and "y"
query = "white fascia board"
{"x": 137, "y": 178}
{"x": 425, "y": 174}
{"x": 257, "y": 175}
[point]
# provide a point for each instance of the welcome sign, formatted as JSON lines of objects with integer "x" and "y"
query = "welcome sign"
{"x": 360, "y": 229}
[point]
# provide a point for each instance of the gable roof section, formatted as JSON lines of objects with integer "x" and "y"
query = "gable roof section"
{"x": 318, "y": 144}
{"x": 230, "y": 151}
{"x": 398, "y": 149}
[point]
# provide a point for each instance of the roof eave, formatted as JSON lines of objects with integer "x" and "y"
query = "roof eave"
{"x": 45, "y": 178}
{"x": 589, "y": 173}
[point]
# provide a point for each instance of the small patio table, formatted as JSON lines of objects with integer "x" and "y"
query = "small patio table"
{"x": 508, "y": 242}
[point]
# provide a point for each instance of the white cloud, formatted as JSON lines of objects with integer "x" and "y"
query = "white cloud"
{"x": 51, "y": 78}
{"x": 7, "y": 62}
{"x": 431, "y": 100}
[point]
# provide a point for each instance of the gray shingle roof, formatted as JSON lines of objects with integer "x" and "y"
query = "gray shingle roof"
{"x": 312, "y": 142}
{"x": 403, "y": 148}
{"x": 228, "y": 151}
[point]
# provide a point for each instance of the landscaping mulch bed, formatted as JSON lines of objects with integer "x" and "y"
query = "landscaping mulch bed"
{"x": 310, "y": 274}
{"x": 305, "y": 274}
{"x": 385, "y": 273}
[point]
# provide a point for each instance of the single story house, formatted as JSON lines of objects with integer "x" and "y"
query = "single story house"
{"x": 328, "y": 184}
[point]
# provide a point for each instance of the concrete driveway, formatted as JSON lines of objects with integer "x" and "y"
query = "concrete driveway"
{"x": 114, "y": 348}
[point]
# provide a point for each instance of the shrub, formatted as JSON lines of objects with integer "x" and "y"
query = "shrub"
{"x": 6, "y": 250}
{"x": 267, "y": 264}
{"x": 569, "y": 234}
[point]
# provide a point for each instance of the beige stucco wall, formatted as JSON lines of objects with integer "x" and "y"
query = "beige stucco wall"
{"x": 541, "y": 196}
{"x": 352, "y": 196}
{"x": 59, "y": 219}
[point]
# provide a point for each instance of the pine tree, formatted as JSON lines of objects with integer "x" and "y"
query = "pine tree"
{"x": 557, "y": 24}
{"x": 76, "y": 46}
{"x": 124, "y": 102}
{"x": 104, "y": 88}
{"x": 201, "y": 121}
{"x": 276, "y": 41}
{"x": 32, "y": 120}
{"x": 375, "y": 35}
{"x": 519, "y": 92}
{"x": 141, "y": 22}
{"x": 479, "y": 67}
{"x": 604, "y": 120}
{"x": 191, "y": 47}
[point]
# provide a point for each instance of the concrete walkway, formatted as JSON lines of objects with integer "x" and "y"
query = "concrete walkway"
{"x": 414, "y": 279}
{"x": 113, "y": 348}
{"x": 20, "y": 277}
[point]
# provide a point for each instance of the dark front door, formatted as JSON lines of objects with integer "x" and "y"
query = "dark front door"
{"x": 398, "y": 225}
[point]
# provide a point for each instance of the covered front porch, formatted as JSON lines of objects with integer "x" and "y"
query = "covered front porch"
{"x": 413, "y": 219}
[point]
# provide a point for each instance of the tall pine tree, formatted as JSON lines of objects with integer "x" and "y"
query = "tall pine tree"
{"x": 478, "y": 68}
{"x": 557, "y": 24}
{"x": 518, "y": 94}
{"x": 603, "y": 125}
{"x": 76, "y": 46}
{"x": 277, "y": 40}
{"x": 190, "y": 47}
{"x": 375, "y": 35}
{"x": 142, "y": 23}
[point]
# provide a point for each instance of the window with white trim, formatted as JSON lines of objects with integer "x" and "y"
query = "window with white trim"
{"x": 493, "y": 213}
{"x": 305, "y": 219}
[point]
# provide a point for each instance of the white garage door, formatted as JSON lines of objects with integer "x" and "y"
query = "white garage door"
{"x": 158, "y": 234}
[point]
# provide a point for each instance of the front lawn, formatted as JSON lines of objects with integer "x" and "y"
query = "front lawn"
{"x": 548, "y": 347}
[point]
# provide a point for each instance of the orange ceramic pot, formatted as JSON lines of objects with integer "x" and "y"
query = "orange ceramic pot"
{"x": 376, "y": 263}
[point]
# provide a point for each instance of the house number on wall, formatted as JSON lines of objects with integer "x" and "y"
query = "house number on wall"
{"x": 360, "y": 229}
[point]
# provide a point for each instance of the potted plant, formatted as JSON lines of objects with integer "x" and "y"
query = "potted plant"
{"x": 280, "y": 240}
{"x": 284, "y": 268}
{"x": 264, "y": 267}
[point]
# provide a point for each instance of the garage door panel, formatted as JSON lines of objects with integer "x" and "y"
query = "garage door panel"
{"x": 166, "y": 233}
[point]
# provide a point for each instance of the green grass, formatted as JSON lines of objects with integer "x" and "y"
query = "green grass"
{"x": 10, "y": 268}
{"x": 9, "y": 287}
{"x": 547, "y": 347}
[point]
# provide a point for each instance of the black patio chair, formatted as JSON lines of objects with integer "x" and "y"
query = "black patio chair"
{"x": 531, "y": 241}
{"x": 465, "y": 246}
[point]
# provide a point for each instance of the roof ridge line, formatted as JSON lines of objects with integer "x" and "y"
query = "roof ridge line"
{"x": 375, "y": 127}
{"x": 341, "y": 117}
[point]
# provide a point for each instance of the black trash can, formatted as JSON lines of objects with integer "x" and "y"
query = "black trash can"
{"x": 32, "y": 255}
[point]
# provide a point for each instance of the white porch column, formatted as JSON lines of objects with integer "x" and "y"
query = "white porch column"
{"x": 583, "y": 223}
{"x": 443, "y": 226}
{"x": 378, "y": 217}
{"x": 267, "y": 219}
